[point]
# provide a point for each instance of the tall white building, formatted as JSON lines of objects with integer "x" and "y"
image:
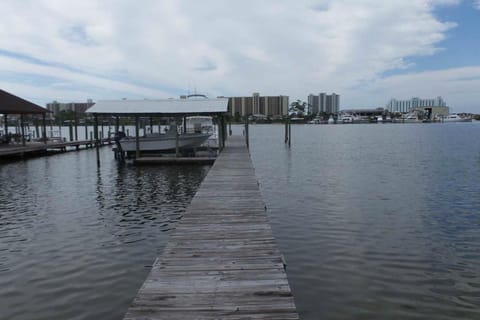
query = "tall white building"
{"x": 405, "y": 106}
{"x": 329, "y": 103}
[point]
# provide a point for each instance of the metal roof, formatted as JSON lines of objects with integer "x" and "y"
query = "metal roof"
{"x": 11, "y": 104}
{"x": 161, "y": 107}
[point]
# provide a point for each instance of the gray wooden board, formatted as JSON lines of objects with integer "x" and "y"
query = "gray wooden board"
{"x": 222, "y": 261}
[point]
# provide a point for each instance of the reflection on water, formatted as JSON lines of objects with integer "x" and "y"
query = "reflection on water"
{"x": 76, "y": 242}
{"x": 376, "y": 221}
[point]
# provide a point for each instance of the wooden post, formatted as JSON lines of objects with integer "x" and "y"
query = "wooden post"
{"x": 44, "y": 128}
{"x": 289, "y": 133}
{"x": 22, "y": 129}
{"x": 37, "y": 129}
{"x": 5, "y": 120}
{"x": 220, "y": 133}
{"x": 76, "y": 125}
{"x": 230, "y": 127}
{"x": 86, "y": 128}
{"x": 151, "y": 125}
{"x": 137, "y": 138}
{"x": 97, "y": 142}
{"x": 224, "y": 130}
{"x": 184, "y": 124}
{"x": 117, "y": 124}
{"x": 286, "y": 130}
{"x": 177, "y": 144}
{"x": 70, "y": 131}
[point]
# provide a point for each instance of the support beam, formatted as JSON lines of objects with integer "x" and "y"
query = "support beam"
{"x": 5, "y": 123}
{"x": 76, "y": 125}
{"x": 97, "y": 142}
{"x": 177, "y": 142}
{"x": 44, "y": 128}
{"x": 22, "y": 129}
{"x": 137, "y": 138}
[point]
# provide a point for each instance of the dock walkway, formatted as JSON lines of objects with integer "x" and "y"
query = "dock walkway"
{"x": 222, "y": 261}
{"x": 33, "y": 148}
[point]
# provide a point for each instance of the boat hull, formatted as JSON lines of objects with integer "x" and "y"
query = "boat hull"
{"x": 164, "y": 142}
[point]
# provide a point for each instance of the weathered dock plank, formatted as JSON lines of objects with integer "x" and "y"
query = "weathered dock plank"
{"x": 222, "y": 261}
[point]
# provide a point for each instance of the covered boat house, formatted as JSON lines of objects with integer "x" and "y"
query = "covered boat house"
{"x": 12, "y": 105}
{"x": 166, "y": 108}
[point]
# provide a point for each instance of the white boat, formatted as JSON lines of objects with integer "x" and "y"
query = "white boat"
{"x": 411, "y": 118}
{"x": 454, "y": 117}
{"x": 347, "y": 118}
{"x": 163, "y": 141}
{"x": 331, "y": 120}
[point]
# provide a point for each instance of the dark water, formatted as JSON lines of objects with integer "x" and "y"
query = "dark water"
{"x": 376, "y": 221}
{"x": 77, "y": 242}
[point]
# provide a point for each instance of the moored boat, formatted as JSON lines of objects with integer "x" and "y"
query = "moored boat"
{"x": 157, "y": 142}
{"x": 455, "y": 117}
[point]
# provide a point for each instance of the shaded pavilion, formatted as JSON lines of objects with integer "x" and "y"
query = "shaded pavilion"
{"x": 12, "y": 104}
{"x": 170, "y": 108}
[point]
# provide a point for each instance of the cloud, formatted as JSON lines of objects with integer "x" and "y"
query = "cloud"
{"x": 476, "y": 4}
{"x": 223, "y": 48}
{"x": 458, "y": 87}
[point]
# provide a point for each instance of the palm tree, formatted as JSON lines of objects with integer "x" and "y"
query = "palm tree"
{"x": 299, "y": 107}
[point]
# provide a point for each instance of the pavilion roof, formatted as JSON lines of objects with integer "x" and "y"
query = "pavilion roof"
{"x": 11, "y": 104}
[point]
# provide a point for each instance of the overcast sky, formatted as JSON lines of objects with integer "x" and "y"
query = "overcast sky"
{"x": 368, "y": 51}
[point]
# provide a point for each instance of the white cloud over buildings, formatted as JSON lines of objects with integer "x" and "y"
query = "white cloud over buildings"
{"x": 114, "y": 49}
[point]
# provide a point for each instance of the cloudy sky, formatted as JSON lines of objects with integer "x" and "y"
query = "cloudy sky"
{"x": 368, "y": 51}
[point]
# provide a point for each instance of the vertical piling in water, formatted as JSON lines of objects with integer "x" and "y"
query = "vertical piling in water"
{"x": 117, "y": 124}
{"x": 86, "y": 128}
{"x": 70, "y": 131}
{"x": 44, "y": 128}
{"x": 22, "y": 129}
{"x": 177, "y": 142}
{"x": 97, "y": 142}
{"x": 286, "y": 130}
{"x": 289, "y": 132}
{"x": 5, "y": 124}
{"x": 76, "y": 125}
{"x": 151, "y": 125}
{"x": 220, "y": 133}
{"x": 37, "y": 129}
{"x": 230, "y": 127}
{"x": 137, "y": 138}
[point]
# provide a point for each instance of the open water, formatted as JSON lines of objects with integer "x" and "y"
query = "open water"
{"x": 375, "y": 221}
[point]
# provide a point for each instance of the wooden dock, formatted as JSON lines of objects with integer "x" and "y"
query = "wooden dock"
{"x": 222, "y": 261}
{"x": 38, "y": 148}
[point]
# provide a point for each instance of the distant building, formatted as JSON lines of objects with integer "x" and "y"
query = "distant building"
{"x": 328, "y": 103}
{"x": 271, "y": 106}
{"x": 78, "y": 107}
{"x": 405, "y": 106}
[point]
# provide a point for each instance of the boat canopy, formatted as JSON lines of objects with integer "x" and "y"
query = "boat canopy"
{"x": 166, "y": 107}
{"x": 11, "y": 104}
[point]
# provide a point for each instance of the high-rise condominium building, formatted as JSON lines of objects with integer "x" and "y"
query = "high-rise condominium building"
{"x": 328, "y": 103}
{"x": 405, "y": 106}
{"x": 272, "y": 106}
{"x": 78, "y": 107}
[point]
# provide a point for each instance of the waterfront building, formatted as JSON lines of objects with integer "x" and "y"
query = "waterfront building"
{"x": 405, "y": 106}
{"x": 324, "y": 103}
{"x": 270, "y": 106}
{"x": 79, "y": 107}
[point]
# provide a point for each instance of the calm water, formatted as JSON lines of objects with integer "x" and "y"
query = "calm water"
{"x": 375, "y": 221}
{"x": 77, "y": 242}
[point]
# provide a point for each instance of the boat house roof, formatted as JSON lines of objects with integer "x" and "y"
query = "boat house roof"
{"x": 11, "y": 104}
{"x": 166, "y": 107}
